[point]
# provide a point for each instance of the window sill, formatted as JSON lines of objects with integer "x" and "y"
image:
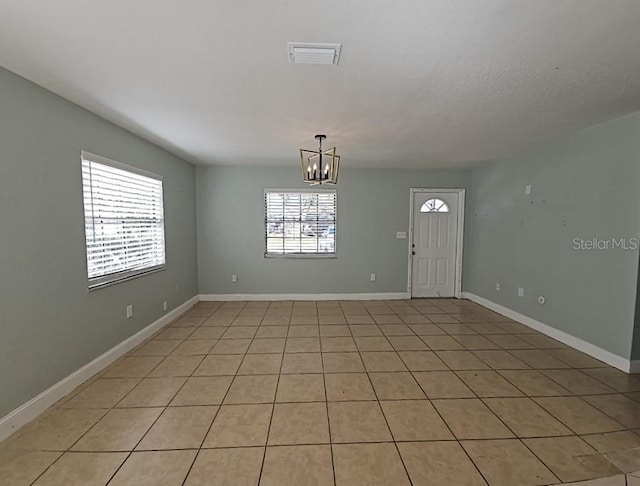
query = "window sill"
{"x": 97, "y": 285}
{"x": 296, "y": 256}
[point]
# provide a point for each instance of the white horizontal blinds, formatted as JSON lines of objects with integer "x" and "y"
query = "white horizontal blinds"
{"x": 124, "y": 221}
{"x": 302, "y": 223}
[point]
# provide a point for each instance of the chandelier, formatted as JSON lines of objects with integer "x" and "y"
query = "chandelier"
{"x": 318, "y": 166}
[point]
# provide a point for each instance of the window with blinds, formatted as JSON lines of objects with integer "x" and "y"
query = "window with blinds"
{"x": 123, "y": 220}
{"x": 300, "y": 223}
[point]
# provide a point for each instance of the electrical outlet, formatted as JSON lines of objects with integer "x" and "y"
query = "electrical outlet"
{"x": 520, "y": 292}
{"x": 527, "y": 190}
{"x": 129, "y": 311}
{"x": 165, "y": 306}
{"x": 234, "y": 278}
{"x": 373, "y": 277}
{"x": 498, "y": 287}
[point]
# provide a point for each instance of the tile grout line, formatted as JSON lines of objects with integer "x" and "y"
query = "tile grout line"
{"x": 477, "y": 468}
{"x": 164, "y": 409}
{"x": 501, "y": 421}
{"x": 68, "y": 450}
{"x": 215, "y": 415}
{"x": 515, "y": 436}
{"x": 458, "y": 312}
{"x": 569, "y": 395}
{"x": 509, "y": 428}
{"x": 395, "y": 444}
{"x": 326, "y": 404}
{"x": 147, "y": 431}
{"x": 169, "y": 402}
{"x": 273, "y": 405}
{"x": 108, "y": 409}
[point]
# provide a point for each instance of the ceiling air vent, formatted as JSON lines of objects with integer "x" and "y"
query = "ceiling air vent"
{"x": 305, "y": 53}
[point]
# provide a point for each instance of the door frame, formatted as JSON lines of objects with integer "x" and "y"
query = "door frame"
{"x": 457, "y": 291}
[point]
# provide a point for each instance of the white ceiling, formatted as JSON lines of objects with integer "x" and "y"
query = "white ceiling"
{"x": 421, "y": 83}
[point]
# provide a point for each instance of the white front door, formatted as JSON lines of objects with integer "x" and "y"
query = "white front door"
{"x": 435, "y": 227}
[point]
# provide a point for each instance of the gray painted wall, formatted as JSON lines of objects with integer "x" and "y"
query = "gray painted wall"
{"x": 372, "y": 206}
{"x": 635, "y": 349}
{"x": 49, "y": 324}
{"x": 583, "y": 186}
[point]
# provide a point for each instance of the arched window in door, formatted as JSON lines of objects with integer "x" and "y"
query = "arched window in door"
{"x": 434, "y": 205}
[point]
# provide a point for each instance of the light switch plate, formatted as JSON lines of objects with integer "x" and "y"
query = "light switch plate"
{"x": 401, "y": 235}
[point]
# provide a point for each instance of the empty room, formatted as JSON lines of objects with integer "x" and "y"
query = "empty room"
{"x": 274, "y": 242}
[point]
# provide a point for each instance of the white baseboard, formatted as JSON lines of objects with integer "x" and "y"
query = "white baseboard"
{"x": 255, "y": 297}
{"x": 608, "y": 357}
{"x": 34, "y": 407}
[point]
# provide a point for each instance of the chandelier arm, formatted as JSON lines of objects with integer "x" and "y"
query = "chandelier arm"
{"x": 320, "y": 169}
{"x": 324, "y": 171}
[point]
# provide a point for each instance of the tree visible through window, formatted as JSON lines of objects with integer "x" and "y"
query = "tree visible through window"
{"x": 300, "y": 223}
{"x": 434, "y": 205}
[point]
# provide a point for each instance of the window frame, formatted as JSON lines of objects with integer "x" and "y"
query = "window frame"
{"x": 435, "y": 210}
{"x": 312, "y": 256}
{"x": 95, "y": 283}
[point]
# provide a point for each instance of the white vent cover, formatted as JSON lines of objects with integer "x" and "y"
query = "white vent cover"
{"x": 305, "y": 53}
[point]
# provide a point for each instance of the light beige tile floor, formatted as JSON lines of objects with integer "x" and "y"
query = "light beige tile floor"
{"x": 422, "y": 392}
